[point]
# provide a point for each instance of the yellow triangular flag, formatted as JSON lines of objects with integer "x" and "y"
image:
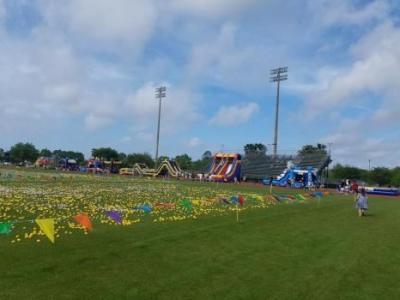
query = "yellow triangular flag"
{"x": 47, "y": 226}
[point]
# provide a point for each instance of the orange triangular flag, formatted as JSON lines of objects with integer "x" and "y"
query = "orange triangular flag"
{"x": 84, "y": 220}
{"x": 47, "y": 226}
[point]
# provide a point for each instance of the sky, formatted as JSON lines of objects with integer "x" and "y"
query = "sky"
{"x": 81, "y": 74}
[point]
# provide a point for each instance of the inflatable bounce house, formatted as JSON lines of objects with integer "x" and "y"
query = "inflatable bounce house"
{"x": 98, "y": 166}
{"x": 225, "y": 167}
{"x": 382, "y": 191}
{"x": 295, "y": 177}
{"x": 95, "y": 166}
{"x": 68, "y": 164}
{"x": 44, "y": 162}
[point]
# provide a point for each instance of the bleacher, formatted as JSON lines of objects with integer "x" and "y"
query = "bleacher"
{"x": 258, "y": 166}
{"x": 316, "y": 160}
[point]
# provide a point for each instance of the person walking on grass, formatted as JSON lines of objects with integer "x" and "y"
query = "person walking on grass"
{"x": 362, "y": 203}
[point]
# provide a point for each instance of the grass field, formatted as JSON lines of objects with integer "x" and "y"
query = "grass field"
{"x": 292, "y": 250}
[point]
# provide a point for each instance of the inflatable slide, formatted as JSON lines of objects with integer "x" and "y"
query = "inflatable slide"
{"x": 295, "y": 177}
{"x": 225, "y": 167}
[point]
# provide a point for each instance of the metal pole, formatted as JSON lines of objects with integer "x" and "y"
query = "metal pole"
{"x": 160, "y": 93}
{"x": 277, "y": 75}
{"x": 369, "y": 165}
{"x": 158, "y": 129}
{"x": 276, "y": 117}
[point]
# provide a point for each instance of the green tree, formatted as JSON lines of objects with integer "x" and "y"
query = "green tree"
{"x": 121, "y": 156}
{"x": 45, "y": 152}
{"x": 7, "y": 156}
{"x": 201, "y": 165}
{"x": 395, "y": 180}
{"x": 105, "y": 153}
{"x": 184, "y": 161}
{"x": 381, "y": 176}
{"x": 255, "y": 148}
{"x": 161, "y": 159}
{"x": 207, "y": 155}
{"x": 142, "y": 158}
{"x": 2, "y": 154}
{"x": 78, "y": 156}
{"x": 23, "y": 152}
{"x": 347, "y": 172}
{"x": 311, "y": 149}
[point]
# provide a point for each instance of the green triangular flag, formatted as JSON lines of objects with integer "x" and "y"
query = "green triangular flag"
{"x": 186, "y": 204}
{"x": 5, "y": 228}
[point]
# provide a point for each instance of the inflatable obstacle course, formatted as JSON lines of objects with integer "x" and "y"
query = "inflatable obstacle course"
{"x": 166, "y": 168}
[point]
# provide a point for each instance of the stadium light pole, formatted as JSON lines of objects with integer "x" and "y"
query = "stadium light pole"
{"x": 277, "y": 75}
{"x": 160, "y": 93}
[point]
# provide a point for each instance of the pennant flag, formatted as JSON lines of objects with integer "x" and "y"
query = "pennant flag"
{"x": 5, "y": 228}
{"x": 196, "y": 202}
{"x": 115, "y": 215}
{"x": 241, "y": 200}
{"x": 234, "y": 200}
{"x": 165, "y": 204}
{"x": 224, "y": 200}
{"x": 47, "y": 226}
{"x": 145, "y": 207}
{"x": 317, "y": 194}
{"x": 83, "y": 219}
{"x": 301, "y": 197}
{"x": 186, "y": 204}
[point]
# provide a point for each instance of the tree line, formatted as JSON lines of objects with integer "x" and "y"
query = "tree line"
{"x": 27, "y": 152}
{"x": 380, "y": 175}
{"x": 22, "y": 153}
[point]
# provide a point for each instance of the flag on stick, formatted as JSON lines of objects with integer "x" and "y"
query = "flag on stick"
{"x": 47, "y": 226}
{"x": 83, "y": 219}
{"x": 115, "y": 215}
{"x": 5, "y": 228}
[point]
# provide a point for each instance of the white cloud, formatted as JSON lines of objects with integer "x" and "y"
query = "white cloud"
{"x": 2, "y": 12}
{"x": 376, "y": 63}
{"x": 126, "y": 139}
{"x": 211, "y": 8}
{"x": 40, "y": 77}
{"x": 372, "y": 73}
{"x": 194, "y": 142}
{"x": 221, "y": 59}
{"x": 354, "y": 144}
{"x": 344, "y": 12}
{"x": 119, "y": 25}
{"x": 96, "y": 121}
{"x": 178, "y": 110}
{"x": 235, "y": 114}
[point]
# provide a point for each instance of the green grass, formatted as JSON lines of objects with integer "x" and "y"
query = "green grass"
{"x": 289, "y": 251}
